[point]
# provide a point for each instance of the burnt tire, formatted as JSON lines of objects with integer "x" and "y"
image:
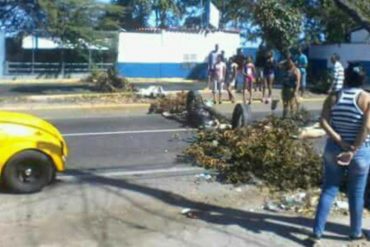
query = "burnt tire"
{"x": 193, "y": 99}
{"x": 27, "y": 172}
{"x": 241, "y": 116}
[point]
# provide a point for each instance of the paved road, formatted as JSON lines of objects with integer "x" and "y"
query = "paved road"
{"x": 111, "y": 140}
{"x": 125, "y": 143}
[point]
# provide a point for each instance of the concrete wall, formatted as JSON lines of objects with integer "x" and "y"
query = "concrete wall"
{"x": 2, "y": 52}
{"x": 320, "y": 55}
{"x": 360, "y": 36}
{"x": 169, "y": 54}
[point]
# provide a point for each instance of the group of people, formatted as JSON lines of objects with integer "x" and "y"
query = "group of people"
{"x": 242, "y": 73}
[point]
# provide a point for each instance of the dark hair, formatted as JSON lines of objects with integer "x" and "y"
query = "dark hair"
{"x": 354, "y": 75}
{"x": 335, "y": 56}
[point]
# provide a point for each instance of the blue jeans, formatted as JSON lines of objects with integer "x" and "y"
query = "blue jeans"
{"x": 357, "y": 173}
{"x": 303, "y": 79}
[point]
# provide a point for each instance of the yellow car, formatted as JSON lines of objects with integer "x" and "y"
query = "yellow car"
{"x": 31, "y": 152}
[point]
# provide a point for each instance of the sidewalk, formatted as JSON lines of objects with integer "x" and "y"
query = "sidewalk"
{"x": 146, "y": 211}
{"x": 125, "y": 101}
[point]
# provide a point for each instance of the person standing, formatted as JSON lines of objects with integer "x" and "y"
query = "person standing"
{"x": 269, "y": 76}
{"x": 212, "y": 60}
{"x": 231, "y": 71}
{"x": 219, "y": 79}
{"x": 346, "y": 119}
{"x": 302, "y": 63}
{"x": 337, "y": 74}
{"x": 250, "y": 77}
{"x": 239, "y": 60}
{"x": 291, "y": 84}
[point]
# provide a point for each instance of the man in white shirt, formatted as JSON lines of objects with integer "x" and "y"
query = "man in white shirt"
{"x": 218, "y": 79}
{"x": 337, "y": 75}
{"x": 212, "y": 60}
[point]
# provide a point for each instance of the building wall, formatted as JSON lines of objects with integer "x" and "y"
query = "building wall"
{"x": 170, "y": 54}
{"x": 2, "y": 52}
{"x": 319, "y": 55}
{"x": 360, "y": 36}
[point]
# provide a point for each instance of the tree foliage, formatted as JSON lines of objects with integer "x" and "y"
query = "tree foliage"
{"x": 70, "y": 21}
{"x": 280, "y": 24}
{"x": 21, "y": 16}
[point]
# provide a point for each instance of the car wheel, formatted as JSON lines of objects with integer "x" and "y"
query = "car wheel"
{"x": 241, "y": 116}
{"x": 27, "y": 172}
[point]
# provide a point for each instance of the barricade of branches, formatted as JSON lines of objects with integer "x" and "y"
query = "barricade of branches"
{"x": 171, "y": 103}
{"x": 109, "y": 81}
{"x": 266, "y": 150}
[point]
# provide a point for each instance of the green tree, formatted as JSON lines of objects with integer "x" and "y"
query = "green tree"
{"x": 280, "y": 24}
{"x": 20, "y": 16}
{"x": 134, "y": 14}
{"x": 358, "y": 10}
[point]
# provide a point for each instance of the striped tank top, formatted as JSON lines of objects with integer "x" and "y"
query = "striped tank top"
{"x": 346, "y": 115}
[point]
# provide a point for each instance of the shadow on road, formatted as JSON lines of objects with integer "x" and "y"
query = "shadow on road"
{"x": 284, "y": 226}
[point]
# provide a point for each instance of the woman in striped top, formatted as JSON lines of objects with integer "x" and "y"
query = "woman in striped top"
{"x": 346, "y": 120}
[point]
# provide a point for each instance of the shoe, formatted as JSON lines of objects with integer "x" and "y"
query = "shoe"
{"x": 214, "y": 102}
{"x": 220, "y": 102}
{"x": 355, "y": 238}
{"x": 312, "y": 240}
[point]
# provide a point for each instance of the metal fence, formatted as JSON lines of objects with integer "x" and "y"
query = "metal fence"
{"x": 22, "y": 68}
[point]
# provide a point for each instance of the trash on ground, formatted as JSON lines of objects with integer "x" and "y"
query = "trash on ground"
{"x": 152, "y": 91}
{"x": 190, "y": 213}
{"x": 271, "y": 206}
{"x": 341, "y": 205}
{"x": 205, "y": 176}
{"x": 167, "y": 114}
{"x": 238, "y": 189}
{"x": 313, "y": 131}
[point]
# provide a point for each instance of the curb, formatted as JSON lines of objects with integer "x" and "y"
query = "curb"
{"x": 135, "y": 106}
{"x": 40, "y": 81}
{"x": 131, "y": 106}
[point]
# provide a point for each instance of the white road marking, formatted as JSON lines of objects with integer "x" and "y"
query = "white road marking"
{"x": 130, "y": 173}
{"x": 127, "y": 132}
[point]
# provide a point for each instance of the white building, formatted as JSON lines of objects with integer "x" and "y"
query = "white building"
{"x": 156, "y": 53}
{"x": 358, "y": 49}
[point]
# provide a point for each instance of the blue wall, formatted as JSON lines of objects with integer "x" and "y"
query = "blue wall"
{"x": 163, "y": 70}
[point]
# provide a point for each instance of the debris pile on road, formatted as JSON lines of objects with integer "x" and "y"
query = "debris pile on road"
{"x": 109, "y": 81}
{"x": 171, "y": 104}
{"x": 189, "y": 108}
{"x": 265, "y": 150}
{"x": 152, "y": 92}
{"x": 304, "y": 202}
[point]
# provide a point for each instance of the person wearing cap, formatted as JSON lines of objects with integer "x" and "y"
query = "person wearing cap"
{"x": 346, "y": 120}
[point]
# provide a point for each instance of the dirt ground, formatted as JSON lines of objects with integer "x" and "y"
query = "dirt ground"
{"x": 146, "y": 211}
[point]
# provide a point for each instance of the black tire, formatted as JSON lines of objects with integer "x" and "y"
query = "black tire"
{"x": 28, "y": 172}
{"x": 241, "y": 116}
{"x": 192, "y": 100}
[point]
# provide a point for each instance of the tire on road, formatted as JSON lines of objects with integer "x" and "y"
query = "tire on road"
{"x": 193, "y": 99}
{"x": 241, "y": 116}
{"x": 28, "y": 172}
